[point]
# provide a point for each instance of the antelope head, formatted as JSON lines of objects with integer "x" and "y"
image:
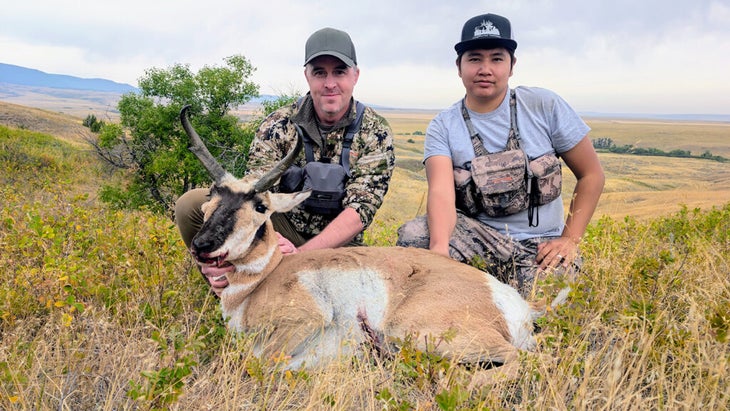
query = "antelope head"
{"x": 237, "y": 228}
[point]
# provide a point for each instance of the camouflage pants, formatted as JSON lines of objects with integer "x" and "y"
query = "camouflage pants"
{"x": 475, "y": 243}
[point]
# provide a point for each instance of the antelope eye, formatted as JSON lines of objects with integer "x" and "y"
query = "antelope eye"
{"x": 260, "y": 208}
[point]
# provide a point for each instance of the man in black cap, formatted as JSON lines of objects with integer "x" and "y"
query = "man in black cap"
{"x": 494, "y": 177}
{"x": 326, "y": 116}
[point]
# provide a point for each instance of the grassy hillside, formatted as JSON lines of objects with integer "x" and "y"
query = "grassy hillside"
{"x": 59, "y": 125}
{"x": 103, "y": 310}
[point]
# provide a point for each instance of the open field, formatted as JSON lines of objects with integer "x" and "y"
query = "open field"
{"x": 77, "y": 103}
{"x": 696, "y": 137}
{"x": 103, "y": 309}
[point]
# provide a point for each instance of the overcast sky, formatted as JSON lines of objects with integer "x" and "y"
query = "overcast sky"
{"x": 618, "y": 56}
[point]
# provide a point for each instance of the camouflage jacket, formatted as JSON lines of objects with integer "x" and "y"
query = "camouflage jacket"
{"x": 371, "y": 158}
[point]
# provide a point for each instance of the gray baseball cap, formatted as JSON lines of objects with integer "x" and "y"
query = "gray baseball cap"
{"x": 486, "y": 31}
{"x": 330, "y": 42}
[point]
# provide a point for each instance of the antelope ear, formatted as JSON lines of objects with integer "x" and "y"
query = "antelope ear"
{"x": 283, "y": 202}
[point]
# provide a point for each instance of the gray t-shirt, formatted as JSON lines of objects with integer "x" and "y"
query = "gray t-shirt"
{"x": 547, "y": 124}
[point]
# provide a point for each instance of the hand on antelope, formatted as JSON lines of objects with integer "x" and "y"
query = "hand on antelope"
{"x": 285, "y": 245}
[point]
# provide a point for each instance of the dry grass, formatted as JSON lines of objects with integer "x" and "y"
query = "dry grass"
{"x": 96, "y": 305}
{"x": 636, "y": 334}
{"x": 65, "y": 127}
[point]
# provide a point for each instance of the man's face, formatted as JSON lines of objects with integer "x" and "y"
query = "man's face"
{"x": 331, "y": 83}
{"x": 485, "y": 73}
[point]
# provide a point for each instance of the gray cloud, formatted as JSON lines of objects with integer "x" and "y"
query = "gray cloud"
{"x": 602, "y": 56}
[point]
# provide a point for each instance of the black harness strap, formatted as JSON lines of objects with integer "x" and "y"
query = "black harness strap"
{"x": 347, "y": 140}
{"x": 352, "y": 129}
{"x": 513, "y": 143}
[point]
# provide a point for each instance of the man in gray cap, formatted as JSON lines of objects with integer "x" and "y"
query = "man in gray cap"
{"x": 493, "y": 169}
{"x": 338, "y": 133}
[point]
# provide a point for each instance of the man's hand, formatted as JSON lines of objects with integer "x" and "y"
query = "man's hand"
{"x": 285, "y": 245}
{"x": 557, "y": 252}
{"x": 441, "y": 250}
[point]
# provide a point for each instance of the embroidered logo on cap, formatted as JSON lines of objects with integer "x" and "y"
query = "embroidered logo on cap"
{"x": 486, "y": 29}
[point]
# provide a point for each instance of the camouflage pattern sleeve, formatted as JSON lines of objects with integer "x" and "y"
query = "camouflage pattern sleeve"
{"x": 274, "y": 138}
{"x": 372, "y": 160}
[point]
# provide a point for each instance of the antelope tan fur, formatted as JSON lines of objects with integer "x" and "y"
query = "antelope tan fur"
{"x": 314, "y": 306}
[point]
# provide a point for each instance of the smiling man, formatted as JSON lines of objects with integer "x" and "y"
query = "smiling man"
{"x": 493, "y": 169}
{"x": 345, "y": 142}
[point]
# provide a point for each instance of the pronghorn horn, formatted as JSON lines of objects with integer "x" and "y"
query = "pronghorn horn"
{"x": 198, "y": 148}
{"x": 267, "y": 180}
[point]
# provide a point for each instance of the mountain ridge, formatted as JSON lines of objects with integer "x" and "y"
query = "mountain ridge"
{"x": 12, "y": 74}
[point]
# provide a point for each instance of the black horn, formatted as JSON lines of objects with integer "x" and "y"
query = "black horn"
{"x": 270, "y": 178}
{"x": 198, "y": 148}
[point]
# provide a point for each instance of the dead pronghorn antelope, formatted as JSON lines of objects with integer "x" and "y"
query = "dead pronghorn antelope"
{"x": 314, "y": 306}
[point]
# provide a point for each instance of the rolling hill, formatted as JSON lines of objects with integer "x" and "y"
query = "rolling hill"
{"x": 76, "y": 96}
{"x": 23, "y": 76}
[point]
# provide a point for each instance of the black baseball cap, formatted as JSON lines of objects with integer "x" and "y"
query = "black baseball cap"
{"x": 486, "y": 31}
{"x": 330, "y": 42}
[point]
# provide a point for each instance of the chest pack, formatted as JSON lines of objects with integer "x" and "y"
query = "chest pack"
{"x": 326, "y": 180}
{"x": 506, "y": 182}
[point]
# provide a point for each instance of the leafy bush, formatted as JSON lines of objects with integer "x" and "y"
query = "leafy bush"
{"x": 150, "y": 144}
{"x": 93, "y": 123}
